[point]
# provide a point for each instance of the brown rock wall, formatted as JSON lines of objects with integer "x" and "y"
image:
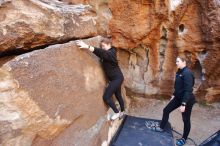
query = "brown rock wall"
{"x": 162, "y": 30}
{"x": 53, "y": 97}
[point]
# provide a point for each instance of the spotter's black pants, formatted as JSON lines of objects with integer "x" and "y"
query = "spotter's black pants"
{"x": 174, "y": 104}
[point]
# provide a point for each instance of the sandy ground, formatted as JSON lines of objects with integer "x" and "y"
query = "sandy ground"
{"x": 205, "y": 120}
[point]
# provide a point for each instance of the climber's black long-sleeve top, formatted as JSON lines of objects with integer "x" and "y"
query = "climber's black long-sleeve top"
{"x": 109, "y": 62}
{"x": 115, "y": 76}
{"x": 184, "y": 83}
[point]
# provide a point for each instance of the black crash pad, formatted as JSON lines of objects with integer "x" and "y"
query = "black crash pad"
{"x": 213, "y": 140}
{"x": 134, "y": 132}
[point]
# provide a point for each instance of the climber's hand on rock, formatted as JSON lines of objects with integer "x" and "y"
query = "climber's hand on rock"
{"x": 82, "y": 45}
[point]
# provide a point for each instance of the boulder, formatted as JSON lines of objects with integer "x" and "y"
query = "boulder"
{"x": 53, "y": 96}
{"x": 33, "y": 24}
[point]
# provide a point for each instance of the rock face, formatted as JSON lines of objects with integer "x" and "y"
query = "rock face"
{"x": 21, "y": 118}
{"x": 151, "y": 34}
{"x": 209, "y": 58}
{"x": 25, "y": 25}
{"x": 102, "y": 11}
{"x": 135, "y": 26}
{"x": 53, "y": 97}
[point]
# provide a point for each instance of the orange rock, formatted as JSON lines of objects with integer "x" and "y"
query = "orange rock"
{"x": 25, "y": 25}
{"x": 54, "y": 95}
{"x": 163, "y": 30}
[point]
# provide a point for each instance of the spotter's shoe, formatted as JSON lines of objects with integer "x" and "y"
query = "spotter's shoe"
{"x": 180, "y": 142}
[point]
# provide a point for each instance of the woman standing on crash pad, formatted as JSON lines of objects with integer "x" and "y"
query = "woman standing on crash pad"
{"x": 182, "y": 97}
{"x": 107, "y": 55}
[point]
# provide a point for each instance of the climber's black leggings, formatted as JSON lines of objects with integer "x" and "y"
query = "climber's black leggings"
{"x": 114, "y": 87}
{"x": 174, "y": 104}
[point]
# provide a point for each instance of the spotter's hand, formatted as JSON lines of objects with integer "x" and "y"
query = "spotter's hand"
{"x": 182, "y": 109}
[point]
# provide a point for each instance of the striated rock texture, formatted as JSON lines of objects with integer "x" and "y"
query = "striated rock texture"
{"x": 209, "y": 58}
{"x": 21, "y": 119}
{"x": 53, "y": 97}
{"x": 30, "y": 24}
{"x": 151, "y": 34}
{"x": 102, "y": 11}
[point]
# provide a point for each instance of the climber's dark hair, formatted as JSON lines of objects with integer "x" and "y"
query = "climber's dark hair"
{"x": 106, "y": 40}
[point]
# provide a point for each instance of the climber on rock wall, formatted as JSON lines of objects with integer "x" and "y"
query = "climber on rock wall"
{"x": 107, "y": 55}
{"x": 182, "y": 97}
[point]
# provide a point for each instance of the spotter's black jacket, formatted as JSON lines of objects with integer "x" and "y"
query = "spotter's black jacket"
{"x": 183, "y": 88}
